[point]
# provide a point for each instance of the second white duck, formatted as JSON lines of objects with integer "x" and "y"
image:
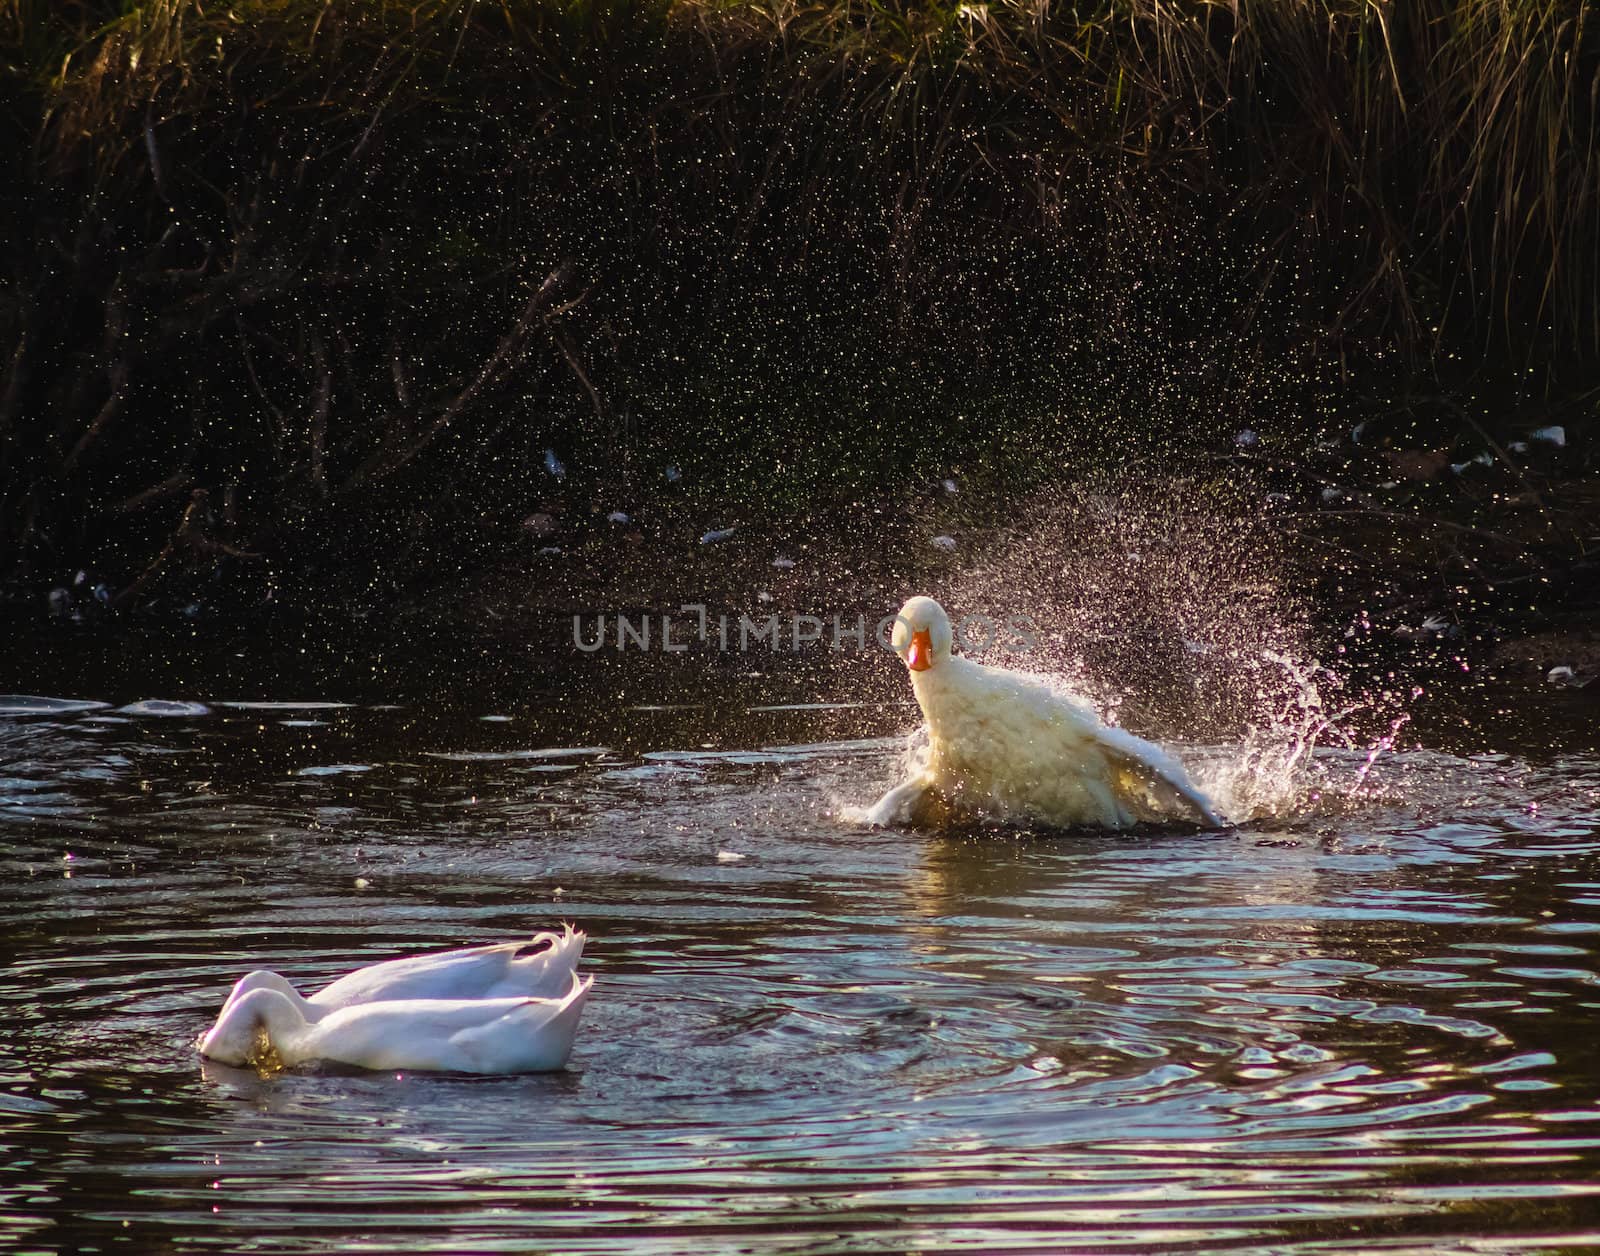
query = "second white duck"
{"x": 266, "y": 1028}
{"x": 1008, "y": 745}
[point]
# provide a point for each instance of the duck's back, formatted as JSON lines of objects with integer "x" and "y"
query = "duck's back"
{"x": 540, "y": 968}
{"x": 1009, "y": 743}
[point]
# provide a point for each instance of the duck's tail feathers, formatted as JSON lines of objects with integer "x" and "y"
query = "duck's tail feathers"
{"x": 547, "y": 963}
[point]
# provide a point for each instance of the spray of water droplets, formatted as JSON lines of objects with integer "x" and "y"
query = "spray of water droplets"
{"x": 1178, "y": 614}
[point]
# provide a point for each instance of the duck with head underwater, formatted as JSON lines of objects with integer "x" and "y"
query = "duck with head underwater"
{"x": 511, "y": 1007}
{"x": 267, "y": 1028}
{"x": 1008, "y": 746}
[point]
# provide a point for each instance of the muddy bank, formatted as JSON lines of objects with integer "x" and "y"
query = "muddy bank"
{"x": 1469, "y": 606}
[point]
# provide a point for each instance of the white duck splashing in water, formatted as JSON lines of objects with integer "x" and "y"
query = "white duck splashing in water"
{"x": 1008, "y": 746}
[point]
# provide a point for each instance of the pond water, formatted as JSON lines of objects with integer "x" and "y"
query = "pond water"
{"x": 1365, "y": 1020}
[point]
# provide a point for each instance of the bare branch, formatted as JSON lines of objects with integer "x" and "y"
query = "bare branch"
{"x": 319, "y": 413}
{"x": 108, "y": 411}
{"x": 169, "y": 487}
{"x": 538, "y": 310}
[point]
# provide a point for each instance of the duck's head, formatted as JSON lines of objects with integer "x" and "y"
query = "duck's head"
{"x": 922, "y": 635}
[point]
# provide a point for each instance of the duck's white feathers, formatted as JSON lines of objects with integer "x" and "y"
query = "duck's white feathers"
{"x": 1006, "y": 743}
{"x": 492, "y": 1035}
{"x": 541, "y": 968}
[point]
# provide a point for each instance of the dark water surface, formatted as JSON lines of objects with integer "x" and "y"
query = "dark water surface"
{"x": 1371, "y": 1023}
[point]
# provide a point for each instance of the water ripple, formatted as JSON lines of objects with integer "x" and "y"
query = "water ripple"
{"x": 1368, "y": 1020}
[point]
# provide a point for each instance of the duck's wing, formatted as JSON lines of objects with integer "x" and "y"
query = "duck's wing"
{"x": 400, "y": 1033}
{"x": 898, "y": 805}
{"x": 539, "y": 968}
{"x": 917, "y": 803}
{"x": 1150, "y": 782}
{"x": 451, "y": 1035}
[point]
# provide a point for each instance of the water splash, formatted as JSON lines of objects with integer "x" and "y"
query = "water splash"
{"x": 1274, "y": 771}
{"x": 909, "y": 765}
{"x": 1382, "y": 745}
{"x": 1180, "y": 615}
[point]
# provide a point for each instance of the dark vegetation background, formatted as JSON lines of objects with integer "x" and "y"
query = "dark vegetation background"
{"x": 311, "y": 294}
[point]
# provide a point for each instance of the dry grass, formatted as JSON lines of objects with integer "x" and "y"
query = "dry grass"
{"x": 1440, "y": 155}
{"x": 288, "y": 253}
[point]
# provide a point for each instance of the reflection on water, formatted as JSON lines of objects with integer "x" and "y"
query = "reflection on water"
{"x": 1365, "y": 1023}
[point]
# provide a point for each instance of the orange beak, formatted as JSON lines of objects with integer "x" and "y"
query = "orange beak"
{"x": 919, "y": 658}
